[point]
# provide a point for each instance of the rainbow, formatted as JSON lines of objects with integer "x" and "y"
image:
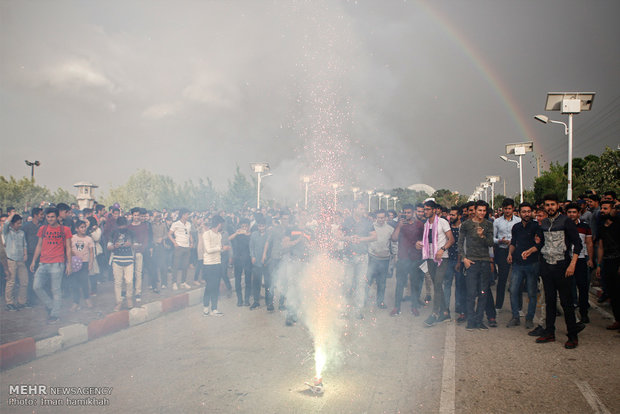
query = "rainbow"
{"x": 521, "y": 120}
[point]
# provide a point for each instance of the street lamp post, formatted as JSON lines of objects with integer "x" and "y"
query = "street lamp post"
{"x": 387, "y": 201}
{"x": 355, "y": 190}
{"x": 259, "y": 168}
{"x": 492, "y": 179}
{"x": 306, "y": 180}
{"x": 394, "y": 199}
{"x": 505, "y": 158}
{"x": 369, "y": 192}
{"x": 32, "y": 164}
{"x": 379, "y": 196}
{"x": 335, "y": 187}
{"x": 567, "y": 103}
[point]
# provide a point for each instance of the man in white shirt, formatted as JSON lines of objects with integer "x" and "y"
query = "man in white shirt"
{"x": 181, "y": 238}
{"x": 436, "y": 241}
{"x": 211, "y": 270}
{"x": 502, "y": 236}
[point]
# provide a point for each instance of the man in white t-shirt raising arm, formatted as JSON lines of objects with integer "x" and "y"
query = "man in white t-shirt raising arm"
{"x": 436, "y": 241}
{"x": 180, "y": 235}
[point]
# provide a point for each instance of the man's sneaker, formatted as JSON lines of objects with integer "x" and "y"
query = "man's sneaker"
{"x": 545, "y": 338}
{"x": 254, "y": 306}
{"x": 27, "y": 305}
{"x": 246, "y": 303}
{"x": 614, "y": 326}
{"x": 444, "y": 317}
{"x": 521, "y": 314}
{"x": 571, "y": 343}
{"x": 529, "y": 324}
{"x": 138, "y": 297}
{"x": 461, "y": 318}
{"x": 175, "y": 286}
{"x": 431, "y": 320}
{"x": 196, "y": 283}
{"x": 427, "y": 299}
{"x": 282, "y": 307}
{"x": 483, "y": 327}
{"x": 470, "y": 327}
{"x": 156, "y": 291}
{"x": 270, "y": 308}
{"x": 492, "y": 323}
{"x": 395, "y": 312}
{"x": 289, "y": 321}
{"x": 216, "y": 312}
{"x": 415, "y": 312}
{"x": 52, "y": 319}
{"x": 381, "y": 306}
{"x": 585, "y": 318}
{"x": 129, "y": 303}
{"x": 513, "y": 322}
{"x": 538, "y": 331}
{"x": 118, "y": 306}
{"x": 185, "y": 286}
{"x": 164, "y": 286}
{"x": 239, "y": 303}
{"x": 206, "y": 311}
{"x": 11, "y": 308}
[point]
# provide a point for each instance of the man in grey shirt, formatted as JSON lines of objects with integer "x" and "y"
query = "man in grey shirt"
{"x": 379, "y": 256}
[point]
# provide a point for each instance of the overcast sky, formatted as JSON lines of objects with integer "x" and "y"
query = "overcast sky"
{"x": 408, "y": 91}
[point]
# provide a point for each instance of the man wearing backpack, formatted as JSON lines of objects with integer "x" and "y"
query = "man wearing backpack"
{"x": 54, "y": 250}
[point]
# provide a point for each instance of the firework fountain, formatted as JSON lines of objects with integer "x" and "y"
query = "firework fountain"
{"x": 325, "y": 125}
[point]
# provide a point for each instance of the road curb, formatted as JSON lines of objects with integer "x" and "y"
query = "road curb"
{"x": 17, "y": 352}
{"x": 27, "y": 349}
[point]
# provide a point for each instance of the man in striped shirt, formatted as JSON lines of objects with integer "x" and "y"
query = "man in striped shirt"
{"x": 120, "y": 245}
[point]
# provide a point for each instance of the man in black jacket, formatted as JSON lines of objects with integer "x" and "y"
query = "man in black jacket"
{"x": 558, "y": 269}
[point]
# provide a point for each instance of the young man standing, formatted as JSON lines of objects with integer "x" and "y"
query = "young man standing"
{"x": 523, "y": 255}
{"x": 436, "y": 241}
{"x": 581, "y": 281}
{"x": 242, "y": 262}
{"x": 121, "y": 245}
{"x": 258, "y": 239}
{"x": 609, "y": 257}
{"x": 379, "y": 256}
{"x": 453, "y": 269}
{"x": 182, "y": 241}
{"x": 407, "y": 233}
{"x": 502, "y": 233}
{"x": 17, "y": 254}
{"x": 212, "y": 259}
{"x": 557, "y": 270}
{"x": 140, "y": 234}
{"x": 54, "y": 250}
{"x": 31, "y": 228}
{"x": 477, "y": 234}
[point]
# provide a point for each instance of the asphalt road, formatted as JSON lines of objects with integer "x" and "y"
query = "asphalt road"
{"x": 249, "y": 361}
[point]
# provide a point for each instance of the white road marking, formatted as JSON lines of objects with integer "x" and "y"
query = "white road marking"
{"x": 591, "y": 397}
{"x": 448, "y": 380}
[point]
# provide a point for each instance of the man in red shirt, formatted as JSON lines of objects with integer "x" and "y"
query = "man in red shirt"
{"x": 54, "y": 249}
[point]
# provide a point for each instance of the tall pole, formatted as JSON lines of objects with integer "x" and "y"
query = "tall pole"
{"x": 369, "y": 197}
{"x": 504, "y": 186}
{"x": 335, "y": 198}
{"x": 493, "y": 196}
{"x": 569, "y": 190}
{"x": 306, "y": 197}
{"x": 258, "y": 192}
{"x": 521, "y": 176}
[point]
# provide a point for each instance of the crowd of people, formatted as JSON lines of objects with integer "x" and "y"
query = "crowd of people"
{"x": 59, "y": 251}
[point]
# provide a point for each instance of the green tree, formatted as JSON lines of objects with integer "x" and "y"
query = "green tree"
{"x": 553, "y": 181}
{"x": 62, "y": 196}
{"x": 448, "y": 198}
{"x": 407, "y": 196}
{"x": 145, "y": 189}
{"x": 241, "y": 192}
{"x": 22, "y": 194}
{"x": 603, "y": 174}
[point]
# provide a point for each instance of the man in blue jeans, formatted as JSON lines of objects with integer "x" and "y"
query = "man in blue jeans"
{"x": 454, "y": 270}
{"x": 475, "y": 239}
{"x": 523, "y": 255}
{"x": 54, "y": 249}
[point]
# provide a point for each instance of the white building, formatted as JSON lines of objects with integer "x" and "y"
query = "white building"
{"x": 85, "y": 196}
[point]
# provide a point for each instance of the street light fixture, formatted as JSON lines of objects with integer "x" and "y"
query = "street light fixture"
{"x": 355, "y": 191}
{"x": 387, "y": 201}
{"x": 567, "y": 103}
{"x": 505, "y": 158}
{"x": 32, "y": 164}
{"x": 336, "y": 191}
{"x": 262, "y": 170}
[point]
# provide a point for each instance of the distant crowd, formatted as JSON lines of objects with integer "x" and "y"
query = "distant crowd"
{"x": 60, "y": 251}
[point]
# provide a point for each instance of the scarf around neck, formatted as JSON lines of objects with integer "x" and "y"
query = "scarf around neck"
{"x": 426, "y": 247}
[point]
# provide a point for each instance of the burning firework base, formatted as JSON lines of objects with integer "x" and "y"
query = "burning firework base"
{"x": 316, "y": 385}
